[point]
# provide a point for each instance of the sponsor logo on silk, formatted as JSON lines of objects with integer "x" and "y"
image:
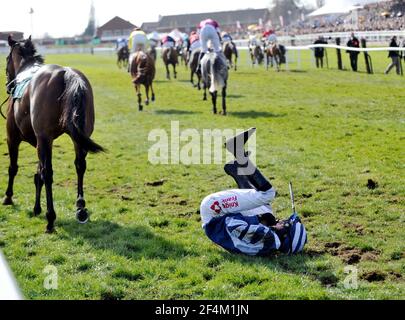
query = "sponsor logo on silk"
{"x": 216, "y": 207}
{"x": 231, "y": 202}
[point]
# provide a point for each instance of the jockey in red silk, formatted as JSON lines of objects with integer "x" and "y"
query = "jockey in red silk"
{"x": 194, "y": 41}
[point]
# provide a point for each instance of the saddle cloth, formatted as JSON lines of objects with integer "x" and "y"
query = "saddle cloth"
{"x": 23, "y": 79}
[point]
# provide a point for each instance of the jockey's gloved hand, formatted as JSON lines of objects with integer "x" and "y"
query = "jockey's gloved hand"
{"x": 281, "y": 228}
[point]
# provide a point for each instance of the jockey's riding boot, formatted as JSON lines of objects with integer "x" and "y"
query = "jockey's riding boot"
{"x": 236, "y": 145}
{"x": 232, "y": 169}
{"x": 257, "y": 179}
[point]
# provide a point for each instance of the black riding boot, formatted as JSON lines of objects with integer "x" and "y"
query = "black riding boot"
{"x": 232, "y": 169}
{"x": 258, "y": 180}
{"x": 236, "y": 146}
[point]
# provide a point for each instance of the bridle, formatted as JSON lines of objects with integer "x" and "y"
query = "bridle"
{"x": 10, "y": 83}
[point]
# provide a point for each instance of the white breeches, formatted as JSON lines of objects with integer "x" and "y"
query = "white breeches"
{"x": 209, "y": 33}
{"x": 247, "y": 202}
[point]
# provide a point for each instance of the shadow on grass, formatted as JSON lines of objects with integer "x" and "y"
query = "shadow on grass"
{"x": 236, "y": 96}
{"x": 175, "y": 112}
{"x": 255, "y": 114}
{"x": 131, "y": 242}
{"x": 294, "y": 264}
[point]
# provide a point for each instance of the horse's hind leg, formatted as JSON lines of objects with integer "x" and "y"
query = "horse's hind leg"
{"x": 167, "y": 72}
{"x": 138, "y": 91}
{"x": 13, "y": 145}
{"x": 224, "y": 100}
{"x": 192, "y": 78}
{"x": 46, "y": 172}
{"x": 81, "y": 165}
{"x": 153, "y": 92}
{"x": 214, "y": 102}
{"x": 147, "y": 94}
{"x": 39, "y": 183}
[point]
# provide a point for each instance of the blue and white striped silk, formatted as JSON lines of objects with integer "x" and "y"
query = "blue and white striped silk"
{"x": 241, "y": 234}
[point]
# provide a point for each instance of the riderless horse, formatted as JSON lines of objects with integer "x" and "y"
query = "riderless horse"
{"x": 45, "y": 102}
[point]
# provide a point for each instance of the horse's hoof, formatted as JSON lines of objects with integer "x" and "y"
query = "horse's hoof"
{"x": 80, "y": 203}
{"x": 140, "y": 108}
{"x": 8, "y": 201}
{"x": 50, "y": 229}
{"x": 205, "y": 99}
{"x": 153, "y": 99}
{"x": 82, "y": 215}
{"x": 37, "y": 211}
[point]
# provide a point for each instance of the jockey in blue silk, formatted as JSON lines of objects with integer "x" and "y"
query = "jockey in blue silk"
{"x": 121, "y": 43}
{"x": 241, "y": 220}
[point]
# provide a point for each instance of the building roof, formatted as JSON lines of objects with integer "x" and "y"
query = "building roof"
{"x": 16, "y": 34}
{"x": 117, "y": 23}
{"x": 225, "y": 18}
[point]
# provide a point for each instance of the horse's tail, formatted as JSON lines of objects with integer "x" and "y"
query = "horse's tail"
{"x": 74, "y": 115}
{"x": 217, "y": 80}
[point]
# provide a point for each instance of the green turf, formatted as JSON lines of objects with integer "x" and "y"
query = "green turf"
{"x": 328, "y": 131}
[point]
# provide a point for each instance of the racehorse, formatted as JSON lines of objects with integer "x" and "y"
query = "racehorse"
{"x": 143, "y": 71}
{"x": 183, "y": 54}
{"x": 57, "y": 100}
{"x": 230, "y": 50}
{"x": 257, "y": 55}
{"x": 214, "y": 71}
{"x": 170, "y": 57}
{"x": 123, "y": 57}
{"x": 273, "y": 54}
{"x": 194, "y": 70}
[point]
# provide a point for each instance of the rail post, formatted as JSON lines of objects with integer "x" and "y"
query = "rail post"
{"x": 366, "y": 56}
{"x": 339, "y": 55}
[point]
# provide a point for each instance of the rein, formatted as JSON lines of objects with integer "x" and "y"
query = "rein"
{"x": 1, "y": 108}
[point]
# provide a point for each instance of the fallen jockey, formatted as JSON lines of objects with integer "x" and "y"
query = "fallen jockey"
{"x": 241, "y": 220}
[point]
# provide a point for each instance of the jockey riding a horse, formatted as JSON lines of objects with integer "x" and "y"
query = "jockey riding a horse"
{"x": 194, "y": 45}
{"x": 137, "y": 40}
{"x": 168, "y": 42}
{"x": 256, "y": 52}
{"x": 121, "y": 43}
{"x": 226, "y": 37}
{"x": 209, "y": 31}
